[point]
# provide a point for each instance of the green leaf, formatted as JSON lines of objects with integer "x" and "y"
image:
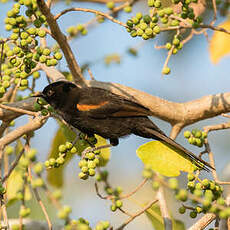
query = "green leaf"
{"x": 156, "y": 219}
{"x": 105, "y": 153}
{"x": 164, "y": 159}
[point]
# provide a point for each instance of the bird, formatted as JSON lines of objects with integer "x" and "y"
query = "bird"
{"x": 94, "y": 110}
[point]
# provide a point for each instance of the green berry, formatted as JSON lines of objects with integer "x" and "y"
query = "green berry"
{"x": 193, "y": 214}
{"x": 173, "y": 183}
{"x": 92, "y": 172}
{"x": 182, "y": 210}
{"x": 41, "y": 33}
{"x": 9, "y": 150}
{"x": 38, "y": 168}
{"x": 145, "y": 36}
{"x": 52, "y": 161}
{"x": 147, "y": 19}
{"x": 166, "y": 70}
{"x": 187, "y": 134}
{"x": 24, "y": 35}
{"x": 84, "y": 169}
{"x": 143, "y": 26}
{"x": 110, "y": 5}
{"x": 139, "y": 15}
{"x": 47, "y": 164}
{"x": 205, "y": 183}
{"x": 36, "y": 75}
{"x": 31, "y": 154}
{"x": 150, "y": 3}
{"x": 176, "y": 41}
{"x": 6, "y": 84}
{"x": 58, "y": 55}
{"x": 113, "y": 208}
{"x": 68, "y": 145}
{"x": 118, "y": 203}
{"x": 168, "y": 46}
{"x": 24, "y": 82}
{"x": 46, "y": 52}
{"x": 60, "y": 160}
{"x": 73, "y": 150}
{"x": 37, "y": 107}
{"x": 128, "y": 9}
{"x": 220, "y": 201}
{"x": 140, "y": 32}
{"x": 156, "y": 30}
{"x": 168, "y": 11}
{"x": 149, "y": 31}
{"x": 175, "y": 22}
{"x": 157, "y": 4}
{"x": 83, "y": 176}
{"x": 182, "y": 195}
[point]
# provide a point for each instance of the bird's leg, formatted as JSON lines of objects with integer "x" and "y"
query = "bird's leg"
{"x": 113, "y": 142}
{"x": 88, "y": 150}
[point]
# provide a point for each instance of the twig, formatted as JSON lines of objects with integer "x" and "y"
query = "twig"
{"x": 62, "y": 42}
{"x": 163, "y": 208}
{"x": 18, "y": 110}
{"x": 13, "y": 165}
{"x": 203, "y": 222}
{"x": 43, "y": 208}
{"x": 91, "y": 11}
{"x": 135, "y": 190}
{"x": 137, "y": 214}
{"x": 217, "y": 127}
{"x": 91, "y": 75}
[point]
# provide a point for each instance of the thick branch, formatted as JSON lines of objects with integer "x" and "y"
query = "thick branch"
{"x": 62, "y": 42}
{"x": 32, "y": 125}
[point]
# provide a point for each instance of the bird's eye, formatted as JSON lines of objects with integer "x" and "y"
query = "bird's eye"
{"x": 50, "y": 93}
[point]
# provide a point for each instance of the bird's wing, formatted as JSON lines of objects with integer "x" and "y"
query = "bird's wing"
{"x": 99, "y": 103}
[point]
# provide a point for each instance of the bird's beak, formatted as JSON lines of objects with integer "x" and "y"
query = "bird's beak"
{"x": 38, "y": 94}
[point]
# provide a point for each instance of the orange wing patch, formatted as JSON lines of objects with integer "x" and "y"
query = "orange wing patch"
{"x": 85, "y": 107}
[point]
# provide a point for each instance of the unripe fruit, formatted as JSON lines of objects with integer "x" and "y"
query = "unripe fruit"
{"x": 110, "y": 5}
{"x": 83, "y": 176}
{"x": 193, "y": 214}
{"x": 173, "y": 183}
{"x": 166, "y": 70}
{"x": 156, "y": 30}
{"x": 118, "y": 203}
{"x": 128, "y": 9}
{"x": 182, "y": 210}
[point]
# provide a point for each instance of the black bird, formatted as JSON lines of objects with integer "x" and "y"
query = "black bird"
{"x": 98, "y": 111}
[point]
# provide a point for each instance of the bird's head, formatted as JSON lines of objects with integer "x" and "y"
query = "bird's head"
{"x": 56, "y": 93}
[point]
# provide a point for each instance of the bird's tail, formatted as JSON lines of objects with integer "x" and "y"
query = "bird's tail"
{"x": 198, "y": 161}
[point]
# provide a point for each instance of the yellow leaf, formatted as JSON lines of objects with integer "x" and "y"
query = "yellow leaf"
{"x": 15, "y": 185}
{"x": 164, "y": 158}
{"x": 220, "y": 43}
{"x": 105, "y": 153}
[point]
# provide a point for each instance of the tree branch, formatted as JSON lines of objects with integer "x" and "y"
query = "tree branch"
{"x": 62, "y": 42}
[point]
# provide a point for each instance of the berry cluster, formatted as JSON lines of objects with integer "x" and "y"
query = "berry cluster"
{"x": 207, "y": 196}
{"x": 73, "y": 31}
{"x": 22, "y": 57}
{"x": 196, "y": 137}
{"x": 83, "y": 224}
{"x": 41, "y": 105}
{"x": 88, "y": 164}
{"x": 64, "y": 149}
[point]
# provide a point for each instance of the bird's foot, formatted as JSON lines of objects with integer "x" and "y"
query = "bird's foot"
{"x": 88, "y": 150}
